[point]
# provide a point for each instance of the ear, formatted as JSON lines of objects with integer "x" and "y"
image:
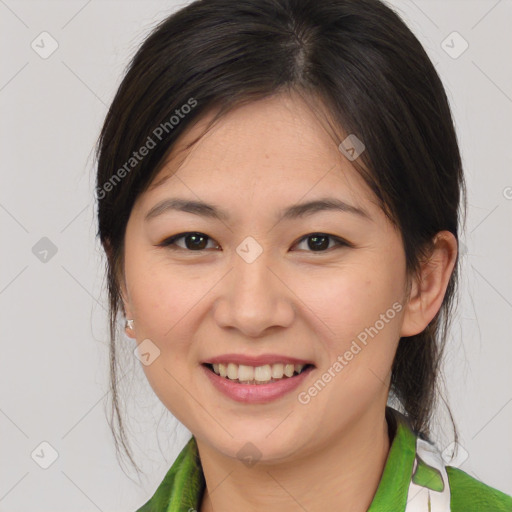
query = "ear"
{"x": 127, "y": 310}
{"x": 428, "y": 289}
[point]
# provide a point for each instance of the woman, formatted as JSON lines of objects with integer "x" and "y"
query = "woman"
{"x": 279, "y": 191}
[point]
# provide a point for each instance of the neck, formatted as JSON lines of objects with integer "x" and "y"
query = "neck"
{"x": 341, "y": 474}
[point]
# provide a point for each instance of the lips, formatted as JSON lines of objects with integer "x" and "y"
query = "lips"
{"x": 254, "y": 392}
{"x": 259, "y": 370}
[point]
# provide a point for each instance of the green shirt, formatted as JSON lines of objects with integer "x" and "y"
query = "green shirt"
{"x": 414, "y": 479}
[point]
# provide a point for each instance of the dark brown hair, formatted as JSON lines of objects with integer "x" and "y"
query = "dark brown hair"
{"x": 363, "y": 67}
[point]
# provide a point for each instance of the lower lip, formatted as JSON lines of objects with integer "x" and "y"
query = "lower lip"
{"x": 256, "y": 393}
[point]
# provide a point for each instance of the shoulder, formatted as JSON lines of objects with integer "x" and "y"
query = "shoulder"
{"x": 471, "y": 495}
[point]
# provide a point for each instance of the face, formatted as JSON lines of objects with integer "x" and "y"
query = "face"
{"x": 248, "y": 284}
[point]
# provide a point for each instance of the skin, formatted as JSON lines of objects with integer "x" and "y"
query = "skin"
{"x": 328, "y": 454}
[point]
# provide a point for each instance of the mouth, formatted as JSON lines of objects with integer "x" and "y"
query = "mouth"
{"x": 257, "y": 375}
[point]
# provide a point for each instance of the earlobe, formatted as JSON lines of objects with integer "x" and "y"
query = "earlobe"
{"x": 129, "y": 326}
{"x": 429, "y": 287}
{"x": 127, "y": 310}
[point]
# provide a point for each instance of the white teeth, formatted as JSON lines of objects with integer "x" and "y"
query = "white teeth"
{"x": 245, "y": 372}
{"x": 288, "y": 370}
{"x": 258, "y": 374}
{"x": 278, "y": 371}
{"x": 232, "y": 371}
{"x": 262, "y": 373}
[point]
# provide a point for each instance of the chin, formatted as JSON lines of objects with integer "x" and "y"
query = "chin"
{"x": 258, "y": 441}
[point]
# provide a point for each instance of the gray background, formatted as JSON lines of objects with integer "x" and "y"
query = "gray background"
{"x": 54, "y": 352}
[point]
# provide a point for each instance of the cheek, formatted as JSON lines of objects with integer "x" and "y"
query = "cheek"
{"x": 160, "y": 294}
{"x": 358, "y": 317}
{"x": 346, "y": 300}
{"x": 169, "y": 303}
{"x": 359, "y": 330}
{"x": 163, "y": 301}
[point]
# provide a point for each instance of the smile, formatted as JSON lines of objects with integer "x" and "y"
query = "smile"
{"x": 268, "y": 373}
{"x": 251, "y": 384}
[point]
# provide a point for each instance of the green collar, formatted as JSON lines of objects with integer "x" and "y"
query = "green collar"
{"x": 183, "y": 486}
{"x": 391, "y": 494}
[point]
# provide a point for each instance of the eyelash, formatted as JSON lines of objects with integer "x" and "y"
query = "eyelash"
{"x": 168, "y": 242}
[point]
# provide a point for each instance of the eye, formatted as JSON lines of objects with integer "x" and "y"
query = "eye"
{"x": 319, "y": 242}
{"x": 194, "y": 241}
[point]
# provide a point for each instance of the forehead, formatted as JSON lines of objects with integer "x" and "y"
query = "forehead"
{"x": 275, "y": 150}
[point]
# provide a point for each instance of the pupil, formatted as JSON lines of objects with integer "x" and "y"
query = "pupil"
{"x": 195, "y": 238}
{"x": 319, "y": 242}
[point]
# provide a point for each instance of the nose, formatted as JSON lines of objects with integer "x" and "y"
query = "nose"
{"x": 255, "y": 298}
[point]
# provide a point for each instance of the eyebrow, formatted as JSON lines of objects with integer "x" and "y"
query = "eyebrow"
{"x": 292, "y": 212}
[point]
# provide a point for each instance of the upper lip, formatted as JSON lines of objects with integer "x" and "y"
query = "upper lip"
{"x": 255, "y": 361}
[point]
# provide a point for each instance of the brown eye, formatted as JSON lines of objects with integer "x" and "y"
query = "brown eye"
{"x": 194, "y": 241}
{"x": 319, "y": 242}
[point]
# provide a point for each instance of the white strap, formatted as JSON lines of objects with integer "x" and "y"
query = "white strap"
{"x": 423, "y": 499}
